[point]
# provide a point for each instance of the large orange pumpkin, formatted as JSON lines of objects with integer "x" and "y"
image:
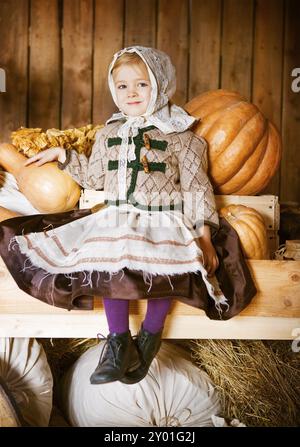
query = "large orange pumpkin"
{"x": 48, "y": 189}
{"x": 251, "y": 229}
{"x": 244, "y": 148}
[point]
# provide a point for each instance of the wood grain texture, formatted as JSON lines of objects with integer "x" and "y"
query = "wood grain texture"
{"x": 108, "y": 38}
{"x": 205, "y": 46}
{"x": 290, "y": 164}
{"x": 267, "y": 75}
{"x": 77, "y": 63}
{"x": 172, "y": 37}
{"x": 77, "y": 325}
{"x": 209, "y": 41}
{"x": 45, "y": 64}
{"x": 140, "y": 23}
{"x": 237, "y": 41}
{"x": 14, "y": 24}
{"x": 273, "y": 313}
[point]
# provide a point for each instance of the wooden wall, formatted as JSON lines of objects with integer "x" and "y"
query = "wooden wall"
{"x": 56, "y": 54}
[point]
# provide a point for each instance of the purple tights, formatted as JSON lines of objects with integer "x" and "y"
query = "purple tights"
{"x": 117, "y": 314}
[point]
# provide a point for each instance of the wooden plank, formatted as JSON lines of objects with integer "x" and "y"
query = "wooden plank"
{"x": 87, "y": 325}
{"x": 45, "y": 64}
{"x": 205, "y": 46}
{"x": 108, "y": 38}
{"x": 140, "y": 23}
{"x": 172, "y": 37}
{"x": 237, "y": 41}
{"x": 267, "y": 75}
{"x": 77, "y": 63}
{"x": 278, "y": 284}
{"x": 290, "y": 164}
{"x": 238, "y": 328}
{"x": 13, "y": 59}
{"x": 274, "y": 312}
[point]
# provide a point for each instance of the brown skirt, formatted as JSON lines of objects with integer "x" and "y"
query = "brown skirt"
{"x": 74, "y": 292}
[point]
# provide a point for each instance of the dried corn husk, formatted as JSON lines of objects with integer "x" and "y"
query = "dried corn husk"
{"x": 30, "y": 141}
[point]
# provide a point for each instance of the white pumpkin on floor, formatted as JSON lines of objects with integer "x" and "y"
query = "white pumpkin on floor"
{"x": 174, "y": 393}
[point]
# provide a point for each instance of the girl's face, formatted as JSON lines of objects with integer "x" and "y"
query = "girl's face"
{"x": 133, "y": 89}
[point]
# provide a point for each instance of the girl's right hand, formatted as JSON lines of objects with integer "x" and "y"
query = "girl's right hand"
{"x": 52, "y": 154}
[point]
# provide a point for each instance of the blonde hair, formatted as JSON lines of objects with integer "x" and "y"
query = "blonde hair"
{"x": 129, "y": 58}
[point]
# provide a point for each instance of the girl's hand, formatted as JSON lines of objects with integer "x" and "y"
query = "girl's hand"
{"x": 210, "y": 258}
{"x": 52, "y": 154}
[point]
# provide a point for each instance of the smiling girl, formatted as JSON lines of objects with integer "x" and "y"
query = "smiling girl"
{"x": 152, "y": 240}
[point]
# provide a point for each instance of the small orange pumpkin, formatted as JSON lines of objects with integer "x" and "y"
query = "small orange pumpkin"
{"x": 48, "y": 189}
{"x": 251, "y": 229}
{"x": 244, "y": 148}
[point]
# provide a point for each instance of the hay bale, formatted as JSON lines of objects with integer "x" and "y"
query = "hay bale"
{"x": 10, "y": 415}
{"x": 63, "y": 352}
{"x": 258, "y": 381}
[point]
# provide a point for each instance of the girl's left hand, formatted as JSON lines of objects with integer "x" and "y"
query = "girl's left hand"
{"x": 210, "y": 258}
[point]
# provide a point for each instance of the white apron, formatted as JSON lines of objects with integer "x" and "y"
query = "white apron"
{"x": 156, "y": 243}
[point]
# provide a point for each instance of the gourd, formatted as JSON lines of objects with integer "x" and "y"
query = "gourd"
{"x": 251, "y": 229}
{"x": 49, "y": 189}
{"x": 7, "y": 214}
{"x": 244, "y": 148}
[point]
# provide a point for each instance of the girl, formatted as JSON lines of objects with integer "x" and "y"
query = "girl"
{"x": 152, "y": 239}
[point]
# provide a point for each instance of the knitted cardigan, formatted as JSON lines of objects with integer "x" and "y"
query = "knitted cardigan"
{"x": 169, "y": 172}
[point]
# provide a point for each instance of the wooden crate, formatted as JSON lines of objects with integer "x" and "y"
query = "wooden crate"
{"x": 90, "y": 197}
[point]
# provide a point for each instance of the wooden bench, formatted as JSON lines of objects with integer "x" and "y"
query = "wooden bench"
{"x": 273, "y": 314}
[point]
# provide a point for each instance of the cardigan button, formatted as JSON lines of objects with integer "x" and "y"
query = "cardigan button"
{"x": 144, "y": 162}
{"x": 146, "y": 140}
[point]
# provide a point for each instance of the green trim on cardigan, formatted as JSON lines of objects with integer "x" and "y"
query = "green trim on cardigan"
{"x": 171, "y": 207}
{"x": 158, "y": 144}
{"x": 154, "y": 144}
{"x": 138, "y": 140}
{"x": 137, "y": 166}
{"x": 115, "y": 141}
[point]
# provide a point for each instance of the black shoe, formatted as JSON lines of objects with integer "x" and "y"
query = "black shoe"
{"x": 148, "y": 345}
{"x": 119, "y": 356}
